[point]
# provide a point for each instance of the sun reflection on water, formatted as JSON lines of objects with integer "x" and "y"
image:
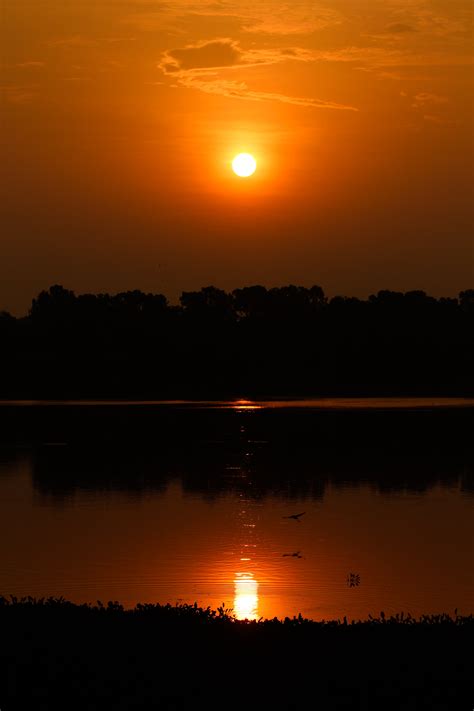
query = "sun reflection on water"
{"x": 245, "y": 596}
{"x": 245, "y": 405}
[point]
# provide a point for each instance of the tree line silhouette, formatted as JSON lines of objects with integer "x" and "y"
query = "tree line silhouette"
{"x": 253, "y": 341}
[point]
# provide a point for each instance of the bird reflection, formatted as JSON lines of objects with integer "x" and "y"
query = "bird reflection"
{"x": 292, "y": 555}
{"x": 297, "y": 516}
{"x": 245, "y": 597}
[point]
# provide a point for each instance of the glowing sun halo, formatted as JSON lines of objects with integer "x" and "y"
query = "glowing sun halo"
{"x": 244, "y": 165}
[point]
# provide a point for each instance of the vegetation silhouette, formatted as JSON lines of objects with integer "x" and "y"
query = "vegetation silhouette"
{"x": 353, "y": 580}
{"x": 252, "y": 341}
{"x": 57, "y": 655}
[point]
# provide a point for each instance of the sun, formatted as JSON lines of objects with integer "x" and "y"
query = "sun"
{"x": 244, "y": 165}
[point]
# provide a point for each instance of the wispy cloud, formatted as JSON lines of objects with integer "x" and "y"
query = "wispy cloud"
{"x": 427, "y": 101}
{"x": 198, "y": 67}
{"x": 240, "y": 90}
{"x": 398, "y": 28}
{"x": 27, "y": 64}
{"x": 297, "y": 18}
{"x": 393, "y": 33}
{"x": 204, "y": 55}
{"x": 30, "y": 64}
{"x": 308, "y": 17}
{"x": 440, "y": 120}
{"x": 225, "y": 52}
{"x": 300, "y": 17}
{"x": 19, "y": 94}
{"x": 85, "y": 41}
{"x": 427, "y": 17}
{"x": 425, "y": 98}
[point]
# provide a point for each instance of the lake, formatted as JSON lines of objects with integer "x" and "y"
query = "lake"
{"x": 190, "y": 502}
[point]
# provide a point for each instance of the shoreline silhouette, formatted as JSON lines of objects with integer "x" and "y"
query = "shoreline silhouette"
{"x": 84, "y": 656}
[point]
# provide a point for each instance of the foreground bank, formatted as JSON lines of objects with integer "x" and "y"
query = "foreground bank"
{"x": 57, "y": 655}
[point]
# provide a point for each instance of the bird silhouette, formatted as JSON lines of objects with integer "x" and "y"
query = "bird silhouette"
{"x": 296, "y": 517}
{"x": 292, "y": 555}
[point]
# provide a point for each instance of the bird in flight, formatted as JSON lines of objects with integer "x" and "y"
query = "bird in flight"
{"x": 296, "y": 517}
{"x": 292, "y": 555}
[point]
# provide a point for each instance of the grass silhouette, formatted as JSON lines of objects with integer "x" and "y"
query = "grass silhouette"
{"x": 56, "y": 654}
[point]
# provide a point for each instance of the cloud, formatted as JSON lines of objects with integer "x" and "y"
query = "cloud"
{"x": 201, "y": 65}
{"x": 19, "y": 94}
{"x": 198, "y": 66}
{"x": 426, "y": 98}
{"x": 205, "y": 65}
{"x": 393, "y": 33}
{"x": 83, "y": 41}
{"x": 441, "y": 121}
{"x": 397, "y": 63}
{"x": 398, "y": 28}
{"x": 297, "y": 18}
{"x": 30, "y": 64}
{"x": 27, "y": 64}
{"x": 300, "y": 17}
{"x": 224, "y": 53}
{"x": 422, "y": 16}
{"x": 240, "y": 90}
{"x": 204, "y": 55}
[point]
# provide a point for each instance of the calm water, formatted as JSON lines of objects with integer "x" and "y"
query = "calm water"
{"x": 168, "y": 503}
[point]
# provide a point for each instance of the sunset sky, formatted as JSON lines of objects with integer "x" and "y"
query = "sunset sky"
{"x": 120, "y": 120}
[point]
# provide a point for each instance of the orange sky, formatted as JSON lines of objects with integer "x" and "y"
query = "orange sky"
{"x": 121, "y": 117}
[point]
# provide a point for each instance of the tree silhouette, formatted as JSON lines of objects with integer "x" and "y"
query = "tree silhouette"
{"x": 253, "y": 341}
